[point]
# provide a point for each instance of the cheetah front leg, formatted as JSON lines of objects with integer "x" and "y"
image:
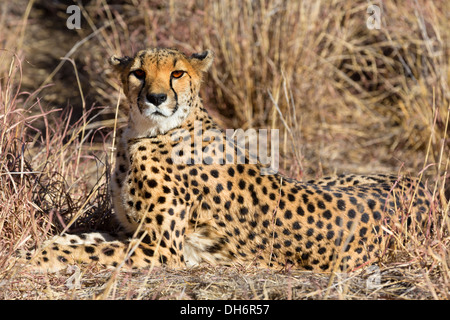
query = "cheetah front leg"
{"x": 157, "y": 238}
{"x": 61, "y": 251}
{"x": 93, "y": 248}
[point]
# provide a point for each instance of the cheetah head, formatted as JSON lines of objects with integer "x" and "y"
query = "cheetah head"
{"x": 162, "y": 86}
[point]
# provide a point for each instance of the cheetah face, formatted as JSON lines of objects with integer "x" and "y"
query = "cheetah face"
{"x": 162, "y": 86}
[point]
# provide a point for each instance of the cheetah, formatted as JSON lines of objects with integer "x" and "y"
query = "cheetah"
{"x": 182, "y": 213}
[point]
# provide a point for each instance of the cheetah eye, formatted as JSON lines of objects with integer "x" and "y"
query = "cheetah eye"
{"x": 177, "y": 74}
{"x": 139, "y": 73}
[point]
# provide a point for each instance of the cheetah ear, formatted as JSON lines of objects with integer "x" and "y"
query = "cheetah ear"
{"x": 202, "y": 61}
{"x": 119, "y": 64}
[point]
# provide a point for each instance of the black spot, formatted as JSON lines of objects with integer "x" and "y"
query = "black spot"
{"x": 330, "y": 234}
{"x": 148, "y": 252}
{"x": 138, "y": 205}
{"x": 219, "y": 188}
{"x": 311, "y": 208}
{"x": 337, "y": 194}
{"x": 161, "y": 200}
{"x": 155, "y": 170}
{"x": 108, "y": 251}
{"x": 215, "y": 173}
{"x": 362, "y": 232}
{"x": 376, "y": 215}
{"x": 89, "y": 249}
{"x": 205, "y": 206}
{"x": 341, "y": 205}
{"x": 321, "y": 205}
{"x": 371, "y": 203}
{"x": 365, "y": 217}
{"x": 353, "y": 200}
{"x": 159, "y": 219}
{"x": 328, "y": 197}
{"x": 288, "y": 214}
{"x": 152, "y": 183}
{"x": 166, "y": 235}
{"x": 305, "y": 198}
{"x": 351, "y": 213}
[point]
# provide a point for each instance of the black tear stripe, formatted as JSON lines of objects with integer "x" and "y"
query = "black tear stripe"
{"x": 176, "y": 96}
{"x": 139, "y": 95}
{"x": 141, "y": 57}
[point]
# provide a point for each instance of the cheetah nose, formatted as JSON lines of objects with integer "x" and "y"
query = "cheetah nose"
{"x": 156, "y": 98}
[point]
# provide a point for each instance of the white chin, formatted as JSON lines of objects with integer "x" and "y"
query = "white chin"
{"x": 153, "y": 121}
{"x": 153, "y": 113}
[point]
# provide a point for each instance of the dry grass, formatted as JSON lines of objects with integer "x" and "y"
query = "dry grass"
{"x": 351, "y": 100}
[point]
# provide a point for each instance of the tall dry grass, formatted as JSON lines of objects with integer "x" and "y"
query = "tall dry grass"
{"x": 345, "y": 98}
